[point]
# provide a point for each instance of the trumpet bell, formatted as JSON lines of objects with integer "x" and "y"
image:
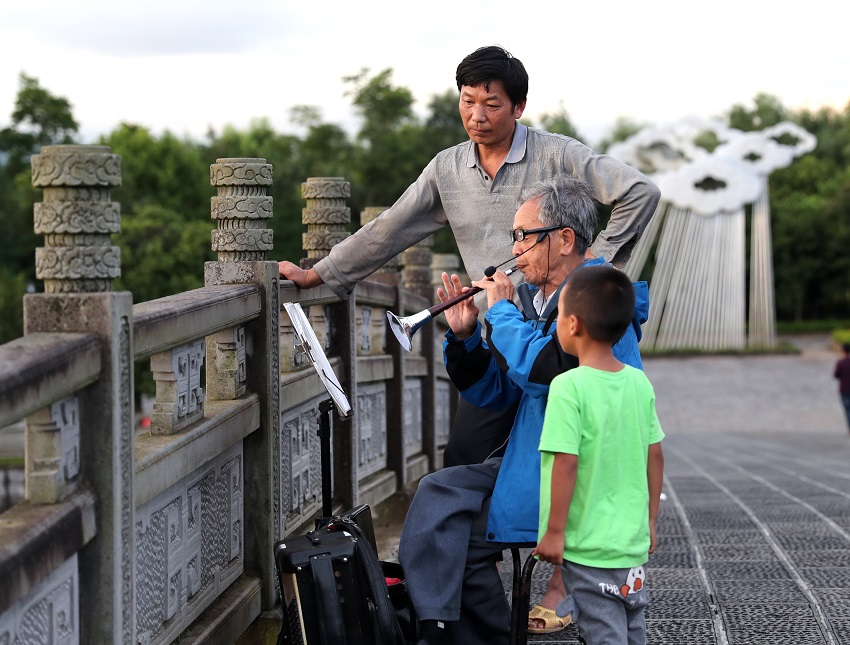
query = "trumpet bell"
{"x": 403, "y": 328}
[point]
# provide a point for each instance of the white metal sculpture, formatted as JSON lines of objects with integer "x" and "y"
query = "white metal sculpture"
{"x": 698, "y": 295}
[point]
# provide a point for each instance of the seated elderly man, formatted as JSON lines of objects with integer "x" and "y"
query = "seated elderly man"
{"x": 451, "y": 541}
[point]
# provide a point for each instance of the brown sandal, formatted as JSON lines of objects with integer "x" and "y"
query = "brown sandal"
{"x": 552, "y": 622}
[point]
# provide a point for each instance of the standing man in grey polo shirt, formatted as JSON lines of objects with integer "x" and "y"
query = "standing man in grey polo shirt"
{"x": 474, "y": 187}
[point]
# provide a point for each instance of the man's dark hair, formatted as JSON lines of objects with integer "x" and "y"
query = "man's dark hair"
{"x": 494, "y": 63}
{"x": 846, "y": 348}
{"x": 603, "y": 298}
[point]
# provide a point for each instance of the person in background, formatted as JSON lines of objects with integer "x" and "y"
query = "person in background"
{"x": 842, "y": 373}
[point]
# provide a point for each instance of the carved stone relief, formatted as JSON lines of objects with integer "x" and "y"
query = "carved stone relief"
{"x": 364, "y": 320}
{"x": 291, "y": 359}
{"x": 230, "y": 369}
{"x": 49, "y": 613}
{"x": 189, "y": 547}
{"x": 179, "y": 396}
{"x": 412, "y": 416}
{"x": 301, "y": 467}
{"x": 371, "y": 330}
{"x": 53, "y": 449}
{"x": 371, "y": 421}
{"x": 442, "y": 412}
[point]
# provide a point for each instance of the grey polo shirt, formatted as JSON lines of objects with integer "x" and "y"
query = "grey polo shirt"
{"x": 453, "y": 189}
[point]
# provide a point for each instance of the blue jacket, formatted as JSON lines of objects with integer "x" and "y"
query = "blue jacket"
{"x": 517, "y": 363}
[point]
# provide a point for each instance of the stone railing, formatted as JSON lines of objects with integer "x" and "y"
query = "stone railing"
{"x": 141, "y": 536}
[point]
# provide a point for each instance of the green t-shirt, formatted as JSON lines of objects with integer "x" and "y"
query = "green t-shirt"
{"x": 608, "y": 419}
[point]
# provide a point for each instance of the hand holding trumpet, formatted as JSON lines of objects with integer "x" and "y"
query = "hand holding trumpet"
{"x": 463, "y": 319}
{"x": 463, "y": 316}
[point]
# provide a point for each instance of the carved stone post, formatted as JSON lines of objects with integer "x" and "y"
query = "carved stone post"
{"x": 77, "y": 218}
{"x": 445, "y": 394}
{"x": 416, "y": 267}
{"x": 247, "y": 359}
{"x": 443, "y": 263}
{"x": 411, "y": 412}
{"x": 241, "y": 209}
{"x": 78, "y": 265}
{"x": 326, "y": 216}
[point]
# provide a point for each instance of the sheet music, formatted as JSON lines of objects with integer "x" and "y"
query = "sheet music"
{"x": 310, "y": 345}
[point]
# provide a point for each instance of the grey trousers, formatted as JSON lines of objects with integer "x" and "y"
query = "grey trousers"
{"x": 451, "y": 570}
{"x": 610, "y": 603}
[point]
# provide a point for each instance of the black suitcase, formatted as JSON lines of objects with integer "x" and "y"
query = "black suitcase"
{"x": 334, "y": 589}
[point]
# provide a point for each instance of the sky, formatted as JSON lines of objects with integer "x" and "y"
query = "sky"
{"x": 190, "y": 65}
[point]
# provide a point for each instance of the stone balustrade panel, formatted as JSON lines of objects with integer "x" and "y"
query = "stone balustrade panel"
{"x": 190, "y": 547}
{"x": 442, "y": 411}
{"x": 179, "y": 395}
{"x": 300, "y": 471}
{"x": 231, "y": 368}
{"x": 371, "y": 424}
{"x": 413, "y": 416}
{"x": 53, "y": 452}
{"x": 50, "y": 613}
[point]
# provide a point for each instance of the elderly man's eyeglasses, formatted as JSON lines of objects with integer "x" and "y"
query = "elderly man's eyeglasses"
{"x": 518, "y": 234}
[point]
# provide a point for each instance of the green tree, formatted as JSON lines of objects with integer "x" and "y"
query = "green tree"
{"x": 390, "y": 154}
{"x": 292, "y": 164}
{"x": 11, "y": 304}
{"x": 39, "y": 118}
{"x": 810, "y": 208}
{"x": 767, "y": 110}
{"x": 443, "y": 125}
{"x": 559, "y": 122}
{"x": 161, "y": 252}
{"x": 164, "y": 171}
{"x": 624, "y": 127}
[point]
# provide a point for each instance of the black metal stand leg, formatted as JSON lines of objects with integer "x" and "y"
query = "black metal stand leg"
{"x": 325, "y": 408}
{"x": 520, "y": 598}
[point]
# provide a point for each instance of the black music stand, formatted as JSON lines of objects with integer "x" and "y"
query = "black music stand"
{"x": 309, "y": 345}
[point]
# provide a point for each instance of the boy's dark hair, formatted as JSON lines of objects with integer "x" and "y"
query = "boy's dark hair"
{"x": 603, "y": 298}
{"x": 494, "y": 63}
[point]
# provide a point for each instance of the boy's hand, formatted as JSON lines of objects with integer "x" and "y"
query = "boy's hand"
{"x": 652, "y": 538}
{"x": 551, "y": 548}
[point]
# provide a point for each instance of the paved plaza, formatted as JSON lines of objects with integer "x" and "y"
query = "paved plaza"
{"x": 754, "y": 533}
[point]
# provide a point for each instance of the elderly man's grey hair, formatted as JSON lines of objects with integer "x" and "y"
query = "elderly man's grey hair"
{"x": 568, "y": 202}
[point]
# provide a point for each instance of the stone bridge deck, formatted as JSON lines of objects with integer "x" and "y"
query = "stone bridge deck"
{"x": 754, "y": 534}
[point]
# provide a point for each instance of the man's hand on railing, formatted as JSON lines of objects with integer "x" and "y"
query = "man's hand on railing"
{"x": 303, "y": 278}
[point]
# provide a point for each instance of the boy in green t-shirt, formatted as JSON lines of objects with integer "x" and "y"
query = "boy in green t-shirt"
{"x": 601, "y": 463}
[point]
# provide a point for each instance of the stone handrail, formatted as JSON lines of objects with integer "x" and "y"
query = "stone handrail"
{"x": 186, "y": 513}
{"x": 42, "y": 368}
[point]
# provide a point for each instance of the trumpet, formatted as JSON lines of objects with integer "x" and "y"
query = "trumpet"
{"x": 403, "y": 328}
